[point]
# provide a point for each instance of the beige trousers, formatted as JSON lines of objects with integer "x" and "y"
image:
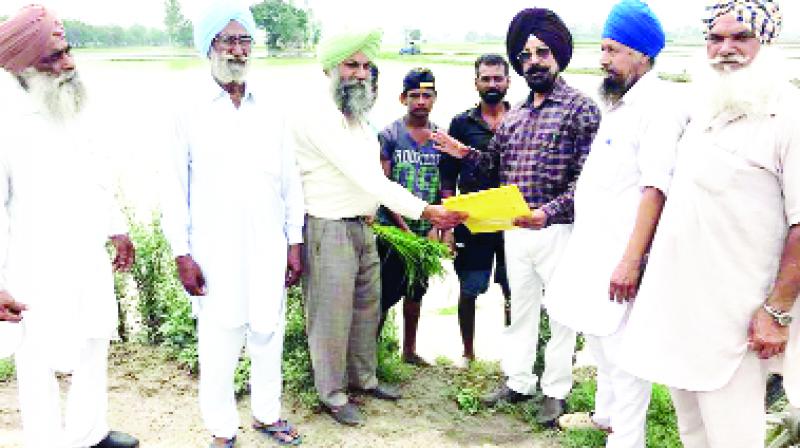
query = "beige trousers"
{"x": 341, "y": 287}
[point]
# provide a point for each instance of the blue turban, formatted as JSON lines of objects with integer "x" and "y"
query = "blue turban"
{"x": 215, "y": 18}
{"x": 633, "y": 24}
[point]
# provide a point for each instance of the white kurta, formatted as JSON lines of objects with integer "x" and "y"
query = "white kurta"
{"x": 634, "y": 148}
{"x": 340, "y": 165}
{"x": 233, "y": 201}
{"x": 715, "y": 256}
{"x": 58, "y": 212}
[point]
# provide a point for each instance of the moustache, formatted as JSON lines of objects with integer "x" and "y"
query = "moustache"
{"x": 537, "y": 70}
{"x": 730, "y": 59}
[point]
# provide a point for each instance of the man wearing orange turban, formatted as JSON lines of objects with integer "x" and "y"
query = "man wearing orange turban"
{"x": 58, "y": 214}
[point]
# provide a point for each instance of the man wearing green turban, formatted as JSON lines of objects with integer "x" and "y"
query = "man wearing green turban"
{"x": 339, "y": 159}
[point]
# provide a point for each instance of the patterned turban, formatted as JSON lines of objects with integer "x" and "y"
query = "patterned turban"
{"x": 633, "y": 24}
{"x": 336, "y": 49}
{"x": 217, "y": 17}
{"x": 25, "y": 37}
{"x": 763, "y": 17}
{"x": 547, "y": 27}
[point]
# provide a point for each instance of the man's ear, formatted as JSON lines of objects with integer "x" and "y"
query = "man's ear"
{"x": 403, "y": 97}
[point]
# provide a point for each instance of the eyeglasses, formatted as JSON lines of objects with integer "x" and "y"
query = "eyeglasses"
{"x": 527, "y": 56}
{"x": 56, "y": 56}
{"x": 230, "y": 40}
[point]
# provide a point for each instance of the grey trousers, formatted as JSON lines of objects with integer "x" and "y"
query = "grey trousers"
{"x": 341, "y": 287}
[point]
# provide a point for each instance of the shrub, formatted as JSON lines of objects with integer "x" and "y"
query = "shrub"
{"x": 167, "y": 321}
{"x": 7, "y": 369}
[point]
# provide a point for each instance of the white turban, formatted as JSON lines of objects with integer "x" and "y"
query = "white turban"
{"x": 215, "y": 18}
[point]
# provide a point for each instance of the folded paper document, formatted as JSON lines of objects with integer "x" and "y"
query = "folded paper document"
{"x": 490, "y": 210}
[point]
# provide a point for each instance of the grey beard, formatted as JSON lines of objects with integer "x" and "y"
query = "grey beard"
{"x": 62, "y": 97}
{"x": 612, "y": 89}
{"x": 226, "y": 70}
{"x": 353, "y": 97}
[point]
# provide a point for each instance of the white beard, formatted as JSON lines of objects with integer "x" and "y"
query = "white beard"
{"x": 225, "y": 70}
{"x": 61, "y": 97}
{"x": 750, "y": 90}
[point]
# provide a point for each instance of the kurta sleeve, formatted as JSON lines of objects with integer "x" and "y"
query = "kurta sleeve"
{"x": 292, "y": 191}
{"x": 789, "y": 168}
{"x": 176, "y": 198}
{"x": 659, "y": 134}
{"x": 330, "y": 140}
{"x": 5, "y": 197}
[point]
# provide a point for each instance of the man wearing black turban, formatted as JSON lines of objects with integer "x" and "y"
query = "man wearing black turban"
{"x": 540, "y": 146}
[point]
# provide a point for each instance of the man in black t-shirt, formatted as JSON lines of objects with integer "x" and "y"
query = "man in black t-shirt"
{"x": 475, "y": 253}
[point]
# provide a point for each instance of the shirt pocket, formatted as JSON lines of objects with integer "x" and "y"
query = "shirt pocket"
{"x": 715, "y": 169}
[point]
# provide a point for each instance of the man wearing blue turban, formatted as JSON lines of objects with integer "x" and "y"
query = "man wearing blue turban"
{"x": 233, "y": 210}
{"x": 626, "y": 176}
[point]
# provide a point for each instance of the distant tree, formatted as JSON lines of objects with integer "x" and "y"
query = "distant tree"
{"x": 179, "y": 28}
{"x": 286, "y": 25}
{"x": 415, "y": 34}
{"x": 3, "y": 18}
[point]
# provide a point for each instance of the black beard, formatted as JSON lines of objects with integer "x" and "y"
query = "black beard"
{"x": 540, "y": 80}
{"x": 492, "y": 96}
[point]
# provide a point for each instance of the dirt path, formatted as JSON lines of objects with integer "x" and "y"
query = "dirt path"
{"x": 155, "y": 400}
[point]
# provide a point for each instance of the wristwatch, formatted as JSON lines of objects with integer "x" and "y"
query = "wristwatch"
{"x": 783, "y": 318}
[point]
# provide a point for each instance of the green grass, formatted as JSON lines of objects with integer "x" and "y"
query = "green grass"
{"x": 7, "y": 370}
{"x": 470, "y": 384}
{"x": 448, "y": 311}
{"x": 662, "y": 425}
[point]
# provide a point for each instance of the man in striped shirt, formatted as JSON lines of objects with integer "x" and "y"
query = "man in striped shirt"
{"x": 540, "y": 146}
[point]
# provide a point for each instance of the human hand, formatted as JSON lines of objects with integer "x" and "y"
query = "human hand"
{"x": 442, "y": 218}
{"x": 536, "y": 220}
{"x": 294, "y": 265}
{"x": 124, "y": 252}
{"x": 10, "y": 309}
{"x": 624, "y": 281}
{"x": 449, "y": 145}
{"x": 191, "y": 276}
{"x": 765, "y": 336}
{"x": 449, "y": 239}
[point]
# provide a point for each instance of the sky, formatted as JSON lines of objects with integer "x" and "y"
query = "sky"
{"x": 436, "y": 18}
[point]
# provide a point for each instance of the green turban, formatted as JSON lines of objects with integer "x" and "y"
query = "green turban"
{"x": 334, "y": 50}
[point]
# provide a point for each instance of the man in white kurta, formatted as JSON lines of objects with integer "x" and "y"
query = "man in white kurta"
{"x": 722, "y": 277}
{"x": 233, "y": 215}
{"x": 57, "y": 216}
{"x": 618, "y": 199}
{"x": 339, "y": 159}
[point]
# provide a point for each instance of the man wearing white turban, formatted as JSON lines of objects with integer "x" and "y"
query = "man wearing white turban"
{"x": 233, "y": 215}
{"x": 714, "y": 311}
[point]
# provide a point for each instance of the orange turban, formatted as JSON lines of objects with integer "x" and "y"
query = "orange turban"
{"x": 25, "y": 37}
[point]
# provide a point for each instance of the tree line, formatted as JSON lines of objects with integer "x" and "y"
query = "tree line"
{"x": 286, "y": 26}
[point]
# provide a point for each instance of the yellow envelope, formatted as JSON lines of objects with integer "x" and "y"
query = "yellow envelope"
{"x": 490, "y": 210}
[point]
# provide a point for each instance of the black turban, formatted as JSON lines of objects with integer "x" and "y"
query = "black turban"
{"x": 547, "y": 27}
